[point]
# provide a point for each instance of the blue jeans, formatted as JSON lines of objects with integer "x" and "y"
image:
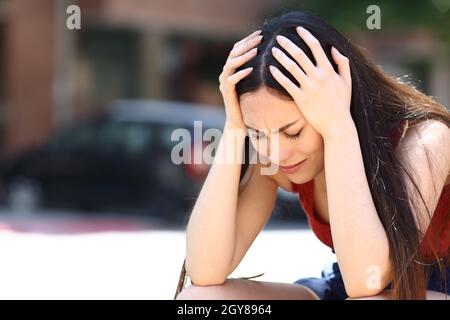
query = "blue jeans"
{"x": 331, "y": 285}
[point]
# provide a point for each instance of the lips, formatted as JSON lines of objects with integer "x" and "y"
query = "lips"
{"x": 292, "y": 166}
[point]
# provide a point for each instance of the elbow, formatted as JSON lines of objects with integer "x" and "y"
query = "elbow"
{"x": 369, "y": 285}
{"x": 368, "y": 277}
{"x": 205, "y": 277}
{"x": 207, "y": 281}
{"x": 203, "y": 280}
{"x": 357, "y": 292}
{"x": 365, "y": 288}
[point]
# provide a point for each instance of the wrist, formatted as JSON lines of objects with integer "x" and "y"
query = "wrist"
{"x": 239, "y": 130}
{"x": 340, "y": 130}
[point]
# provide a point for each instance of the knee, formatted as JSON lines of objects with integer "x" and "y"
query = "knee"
{"x": 193, "y": 292}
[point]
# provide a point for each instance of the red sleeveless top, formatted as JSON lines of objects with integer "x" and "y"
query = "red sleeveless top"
{"x": 437, "y": 235}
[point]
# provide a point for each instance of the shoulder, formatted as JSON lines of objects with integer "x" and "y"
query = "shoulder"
{"x": 424, "y": 152}
{"x": 432, "y": 130}
{"x": 428, "y": 140}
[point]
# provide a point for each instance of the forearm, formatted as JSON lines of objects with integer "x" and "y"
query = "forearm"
{"x": 359, "y": 238}
{"x": 211, "y": 230}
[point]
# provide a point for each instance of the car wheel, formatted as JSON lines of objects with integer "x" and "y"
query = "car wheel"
{"x": 24, "y": 195}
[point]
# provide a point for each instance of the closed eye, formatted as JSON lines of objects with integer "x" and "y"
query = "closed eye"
{"x": 259, "y": 135}
{"x": 292, "y": 136}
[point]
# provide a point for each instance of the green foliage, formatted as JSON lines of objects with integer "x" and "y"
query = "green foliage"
{"x": 432, "y": 15}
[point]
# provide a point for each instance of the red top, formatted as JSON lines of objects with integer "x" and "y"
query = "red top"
{"x": 440, "y": 222}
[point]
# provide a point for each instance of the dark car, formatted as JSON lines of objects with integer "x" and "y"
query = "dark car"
{"x": 121, "y": 161}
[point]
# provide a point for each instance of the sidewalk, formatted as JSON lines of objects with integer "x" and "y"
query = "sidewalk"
{"x": 138, "y": 264}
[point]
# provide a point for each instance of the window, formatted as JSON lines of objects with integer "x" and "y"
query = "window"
{"x": 78, "y": 138}
{"x": 195, "y": 64}
{"x": 111, "y": 56}
{"x": 137, "y": 138}
{"x": 125, "y": 137}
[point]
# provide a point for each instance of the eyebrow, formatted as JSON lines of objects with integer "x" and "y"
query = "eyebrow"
{"x": 280, "y": 129}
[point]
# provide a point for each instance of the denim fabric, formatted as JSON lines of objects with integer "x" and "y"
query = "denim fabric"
{"x": 331, "y": 285}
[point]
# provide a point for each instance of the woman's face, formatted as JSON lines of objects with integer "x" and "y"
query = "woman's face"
{"x": 265, "y": 112}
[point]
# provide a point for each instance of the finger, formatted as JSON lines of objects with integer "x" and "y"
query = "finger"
{"x": 343, "y": 64}
{"x": 234, "y": 63}
{"x": 290, "y": 87}
{"x": 244, "y": 47}
{"x": 316, "y": 48}
{"x": 238, "y": 76}
{"x": 231, "y": 65}
{"x": 290, "y": 66}
{"x": 254, "y": 34}
{"x": 297, "y": 54}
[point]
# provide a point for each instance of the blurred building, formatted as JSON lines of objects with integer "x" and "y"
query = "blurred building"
{"x": 52, "y": 77}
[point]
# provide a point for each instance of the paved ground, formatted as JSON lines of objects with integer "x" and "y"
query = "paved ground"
{"x": 68, "y": 256}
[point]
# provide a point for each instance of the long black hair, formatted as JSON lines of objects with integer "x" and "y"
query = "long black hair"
{"x": 380, "y": 105}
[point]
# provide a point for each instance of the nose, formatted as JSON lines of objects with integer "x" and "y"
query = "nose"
{"x": 275, "y": 150}
{"x": 280, "y": 153}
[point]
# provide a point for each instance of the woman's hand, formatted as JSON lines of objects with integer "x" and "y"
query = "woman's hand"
{"x": 324, "y": 96}
{"x": 241, "y": 53}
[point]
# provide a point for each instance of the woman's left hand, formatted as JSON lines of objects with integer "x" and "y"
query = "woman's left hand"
{"x": 323, "y": 96}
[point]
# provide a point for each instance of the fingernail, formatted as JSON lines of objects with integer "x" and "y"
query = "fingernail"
{"x": 281, "y": 39}
{"x": 259, "y": 37}
{"x": 300, "y": 29}
{"x": 275, "y": 51}
{"x": 272, "y": 68}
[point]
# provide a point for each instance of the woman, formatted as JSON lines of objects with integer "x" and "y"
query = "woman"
{"x": 369, "y": 156}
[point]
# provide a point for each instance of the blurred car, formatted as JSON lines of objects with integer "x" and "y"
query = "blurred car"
{"x": 120, "y": 161}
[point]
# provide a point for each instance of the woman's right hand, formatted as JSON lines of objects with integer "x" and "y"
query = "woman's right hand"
{"x": 242, "y": 52}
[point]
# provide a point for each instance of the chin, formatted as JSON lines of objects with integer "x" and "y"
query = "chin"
{"x": 301, "y": 177}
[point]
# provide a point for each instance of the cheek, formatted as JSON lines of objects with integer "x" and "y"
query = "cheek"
{"x": 310, "y": 143}
{"x": 259, "y": 146}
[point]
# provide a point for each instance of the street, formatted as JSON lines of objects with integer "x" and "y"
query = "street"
{"x": 69, "y": 255}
